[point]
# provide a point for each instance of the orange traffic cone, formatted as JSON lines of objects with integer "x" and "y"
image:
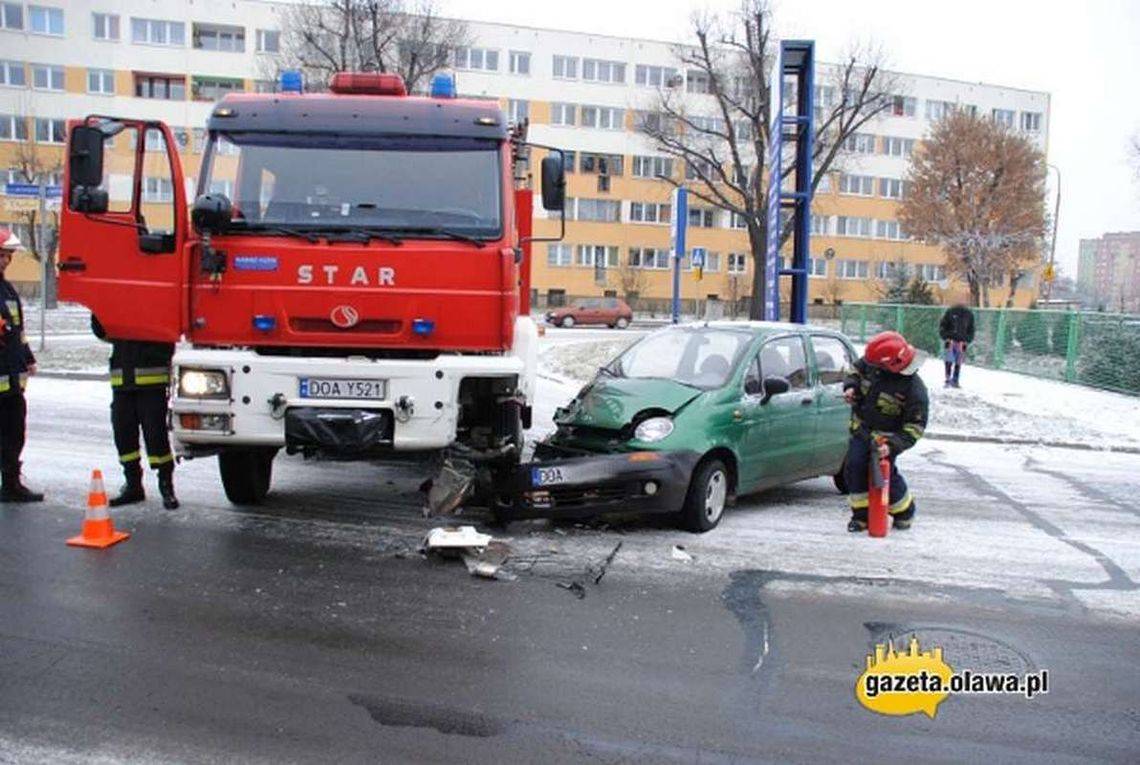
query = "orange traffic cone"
{"x": 97, "y": 528}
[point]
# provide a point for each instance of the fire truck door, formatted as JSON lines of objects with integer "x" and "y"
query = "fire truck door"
{"x": 123, "y": 227}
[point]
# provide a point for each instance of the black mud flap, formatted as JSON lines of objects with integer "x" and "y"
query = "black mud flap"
{"x": 341, "y": 432}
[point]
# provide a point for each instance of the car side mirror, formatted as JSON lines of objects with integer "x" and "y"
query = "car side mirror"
{"x": 774, "y": 386}
{"x": 85, "y": 156}
{"x": 211, "y": 213}
{"x": 553, "y": 182}
{"x": 87, "y": 199}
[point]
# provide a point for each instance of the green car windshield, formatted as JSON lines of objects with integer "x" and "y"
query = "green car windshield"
{"x": 700, "y": 357}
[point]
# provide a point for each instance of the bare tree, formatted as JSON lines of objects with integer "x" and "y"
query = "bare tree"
{"x": 737, "y": 291}
{"x": 631, "y": 279}
{"x": 978, "y": 189}
{"x": 723, "y": 138}
{"x": 400, "y": 36}
{"x": 31, "y": 165}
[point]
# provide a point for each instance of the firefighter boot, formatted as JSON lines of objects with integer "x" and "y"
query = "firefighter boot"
{"x": 166, "y": 486}
{"x": 15, "y": 491}
{"x": 132, "y": 491}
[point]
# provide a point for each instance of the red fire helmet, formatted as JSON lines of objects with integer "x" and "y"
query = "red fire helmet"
{"x": 892, "y": 352}
{"x": 8, "y": 239}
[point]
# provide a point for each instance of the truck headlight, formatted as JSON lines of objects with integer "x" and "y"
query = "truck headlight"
{"x": 203, "y": 383}
{"x": 653, "y": 429}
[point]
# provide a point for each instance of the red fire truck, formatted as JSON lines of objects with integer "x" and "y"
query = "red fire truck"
{"x": 351, "y": 281}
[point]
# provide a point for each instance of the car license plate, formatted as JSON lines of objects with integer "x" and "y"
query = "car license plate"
{"x": 333, "y": 387}
{"x": 547, "y": 476}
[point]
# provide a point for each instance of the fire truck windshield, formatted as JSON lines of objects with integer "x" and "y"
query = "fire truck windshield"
{"x": 435, "y": 187}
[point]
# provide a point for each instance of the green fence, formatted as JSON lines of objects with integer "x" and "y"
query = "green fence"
{"x": 1100, "y": 350}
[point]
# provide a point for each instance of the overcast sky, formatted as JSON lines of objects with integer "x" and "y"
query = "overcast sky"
{"x": 1086, "y": 55}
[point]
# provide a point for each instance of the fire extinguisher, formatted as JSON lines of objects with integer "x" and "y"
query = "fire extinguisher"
{"x": 880, "y": 490}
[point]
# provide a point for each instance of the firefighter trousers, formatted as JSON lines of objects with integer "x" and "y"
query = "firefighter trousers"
{"x": 13, "y": 428}
{"x": 143, "y": 408}
{"x": 859, "y": 450}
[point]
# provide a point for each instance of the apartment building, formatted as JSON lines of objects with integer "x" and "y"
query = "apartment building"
{"x": 581, "y": 92}
{"x": 1109, "y": 270}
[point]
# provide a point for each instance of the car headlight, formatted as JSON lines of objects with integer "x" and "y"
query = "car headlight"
{"x": 653, "y": 429}
{"x": 203, "y": 383}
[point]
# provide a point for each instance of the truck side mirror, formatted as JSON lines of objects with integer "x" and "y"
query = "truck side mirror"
{"x": 86, "y": 199}
{"x": 211, "y": 213}
{"x": 85, "y": 156}
{"x": 553, "y": 182}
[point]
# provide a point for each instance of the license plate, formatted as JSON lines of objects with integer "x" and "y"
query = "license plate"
{"x": 333, "y": 387}
{"x": 547, "y": 476}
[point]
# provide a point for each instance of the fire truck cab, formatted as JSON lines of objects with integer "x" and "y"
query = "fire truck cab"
{"x": 351, "y": 281}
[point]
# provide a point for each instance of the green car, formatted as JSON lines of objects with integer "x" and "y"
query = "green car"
{"x": 691, "y": 415}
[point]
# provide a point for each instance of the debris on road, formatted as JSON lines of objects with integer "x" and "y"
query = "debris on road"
{"x": 575, "y": 587}
{"x": 680, "y": 554}
{"x": 447, "y": 491}
{"x": 481, "y": 553}
{"x": 455, "y": 538}
{"x": 597, "y": 570}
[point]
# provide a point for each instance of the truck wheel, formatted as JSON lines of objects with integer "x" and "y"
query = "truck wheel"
{"x": 622, "y": 322}
{"x": 567, "y": 321}
{"x": 246, "y": 474}
{"x": 706, "y": 498}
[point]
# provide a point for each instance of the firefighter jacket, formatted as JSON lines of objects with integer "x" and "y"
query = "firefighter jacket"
{"x": 957, "y": 324}
{"x": 136, "y": 364}
{"x": 887, "y": 404}
{"x": 15, "y": 353}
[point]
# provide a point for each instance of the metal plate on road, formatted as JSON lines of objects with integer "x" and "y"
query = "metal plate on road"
{"x": 334, "y": 387}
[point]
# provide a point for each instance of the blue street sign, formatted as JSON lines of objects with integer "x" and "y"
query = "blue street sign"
{"x": 31, "y": 190}
{"x": 698, "y": 257}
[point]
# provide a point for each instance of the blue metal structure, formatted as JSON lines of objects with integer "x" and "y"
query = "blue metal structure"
{"x": 793, "y": 122}
{"x": 680, "y": 222}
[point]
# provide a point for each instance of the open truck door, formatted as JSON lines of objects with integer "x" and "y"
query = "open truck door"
{"x": 123, "y": 228}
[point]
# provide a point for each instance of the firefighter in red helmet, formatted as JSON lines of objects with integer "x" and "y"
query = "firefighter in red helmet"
{"x": 889, "y": 407}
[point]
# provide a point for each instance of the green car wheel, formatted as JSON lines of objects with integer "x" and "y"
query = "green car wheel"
{"x": 707, "y": 497}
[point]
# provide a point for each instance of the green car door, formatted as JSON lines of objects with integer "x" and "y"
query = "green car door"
{"x": 779, "y": 438}
{"x": 834, "y": 360}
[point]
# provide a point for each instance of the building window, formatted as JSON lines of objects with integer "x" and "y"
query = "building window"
{"x": 599, "y": 210}
{"x": 268, "y": 41}
{"x": 817, "y": 268}
{"x": 648, "y": 257}
{"x": 45, "y": 21}
{"x": 517, "y": 111}
{"x": 936, "y": 110}
{"x": 707, "y": 124}
{"x": 568, "y": 160}
{"x": 861, "y": 185}
{"x": 569, "y": 204}
{"x": 1003, "y": 117}
{"x": 932, "y": 273}
{"x": 698, "y": 169}
{"x": 851, "y": 269}
{"x": 1031, "y": 121}
{"x": 566, "y": 67}
{"x": 650, "y": 212}
{"x": 220, "y": 38}
{"x": 155, "y": 141}
{"x": 558, "y": 255}
{"x": 603, "y": 117}
{"x": 736, "y": 220}
{"x": 652, "y": 167}
{"x": 596, "y": 70}
{"x": 50, "y": 131}
{"x": 655, "y": 123}
{"x": 848, "y": 226}
{"x": 159, "y": 86}
{"x": 891, "y": 188}
{"x": 13, "y": 127}
{"x": 602, "y": 164}
{"x": 597, "y": 255}
{"x": 158, "y": 190}
{"x": 480, "y": 59}
{"x": 11, "y": 16}
{"x": 823, "y": 97}
{"x": 158, "y": 32}
{"x": 213, "y": 88}
{"x": 13, "y": 74}
{"x": 819, "y": 225}
{"x": 562, "y": 114}
{"x": 101, "y": 81}
{"x": 737, "y": 262}
{"x": 697, "y": 82}
{"x": 903, "y": 106}
{"x": 889, "y": 229}
{"x": 824, "y": 186}
{"x": 655, "y": 76}
{"x": 898, "y": 147}
{"x": 701, "y": 217}
{"x": 47, "y": 77}
{"x": 860, "y": 143}
{"x": 520, "y": 62}
{"x": 105, "y": 25}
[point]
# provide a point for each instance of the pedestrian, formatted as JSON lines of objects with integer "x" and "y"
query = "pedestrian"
{"x": 957, "y": 331}
{"x": 889, "y": 407}
{"x": 17, "y": 362}
{"x": 140, "y": 377}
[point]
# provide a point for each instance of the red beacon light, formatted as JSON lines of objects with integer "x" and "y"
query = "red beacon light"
{"x": 368, "y": 84}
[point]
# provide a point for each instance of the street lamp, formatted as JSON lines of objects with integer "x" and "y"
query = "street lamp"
{"x": 1050, "y": 272}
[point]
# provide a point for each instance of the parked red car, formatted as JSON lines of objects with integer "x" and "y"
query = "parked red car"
{"x": 613, "y": 312}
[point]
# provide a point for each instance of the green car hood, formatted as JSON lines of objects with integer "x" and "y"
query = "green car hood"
{"x": 612, "y": 402}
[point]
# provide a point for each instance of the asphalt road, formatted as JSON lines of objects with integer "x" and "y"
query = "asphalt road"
{"x": 311, "y": 630}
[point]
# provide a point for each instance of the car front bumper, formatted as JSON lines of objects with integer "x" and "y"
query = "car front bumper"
{"x": 581, "y": 486}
